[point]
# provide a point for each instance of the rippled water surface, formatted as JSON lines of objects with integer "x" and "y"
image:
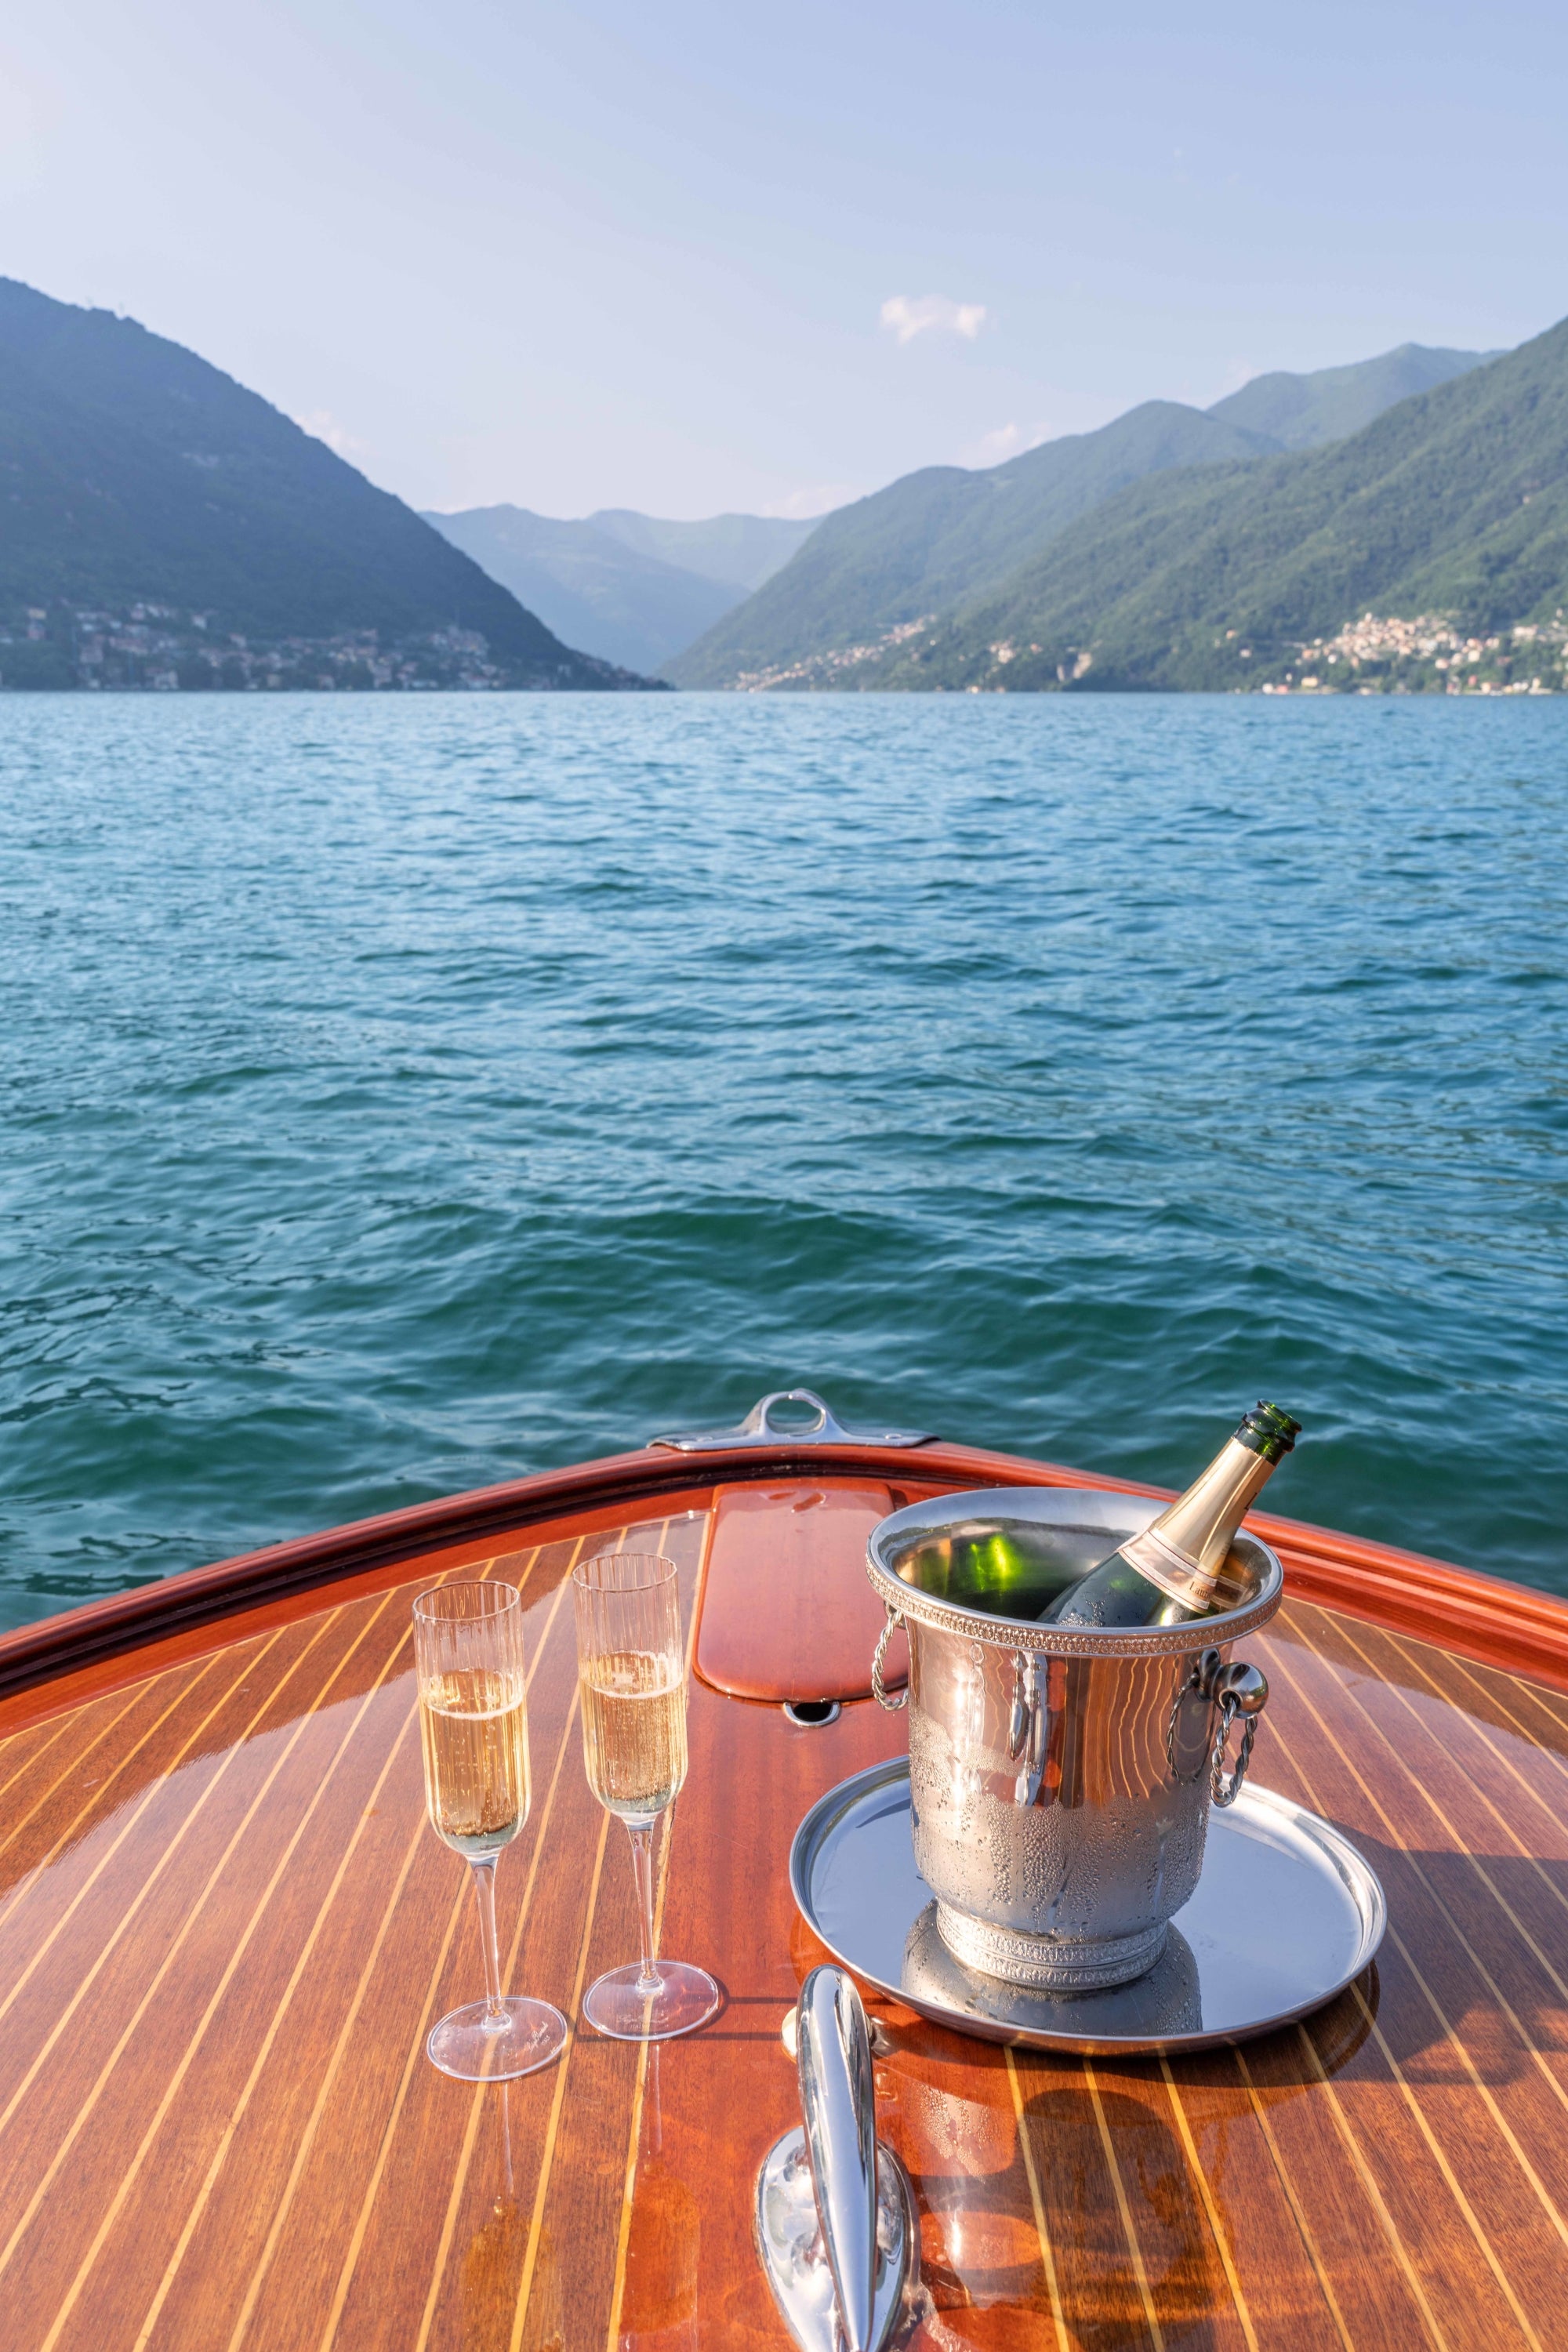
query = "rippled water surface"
{"x": 399, "y": 1094}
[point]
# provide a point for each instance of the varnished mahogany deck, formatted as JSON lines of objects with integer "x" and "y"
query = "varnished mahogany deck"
{"x": 225, "y": 1931}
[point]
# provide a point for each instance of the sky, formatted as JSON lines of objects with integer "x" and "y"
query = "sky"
{"x": 705, "y": 257}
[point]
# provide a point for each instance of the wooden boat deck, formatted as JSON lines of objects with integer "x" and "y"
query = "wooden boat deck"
{"x": 225, "y": 1931}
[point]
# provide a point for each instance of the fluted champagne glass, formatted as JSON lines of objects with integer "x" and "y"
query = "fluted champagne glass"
{"x": 631, "y": 1678}
{"x": 473, "y": 1726}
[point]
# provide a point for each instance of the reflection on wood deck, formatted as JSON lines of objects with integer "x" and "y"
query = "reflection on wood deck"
{"x": 225, "y": 1931}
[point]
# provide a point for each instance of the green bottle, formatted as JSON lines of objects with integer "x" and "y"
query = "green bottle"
{"x": 1168, "y": 1573}
{"x": 1004, "y": 1568}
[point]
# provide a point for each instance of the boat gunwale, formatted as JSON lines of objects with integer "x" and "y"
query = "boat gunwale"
{"x": 1484, "y": 1618}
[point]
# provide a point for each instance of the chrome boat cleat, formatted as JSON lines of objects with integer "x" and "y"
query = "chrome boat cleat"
{"x": 835, "y": 2216}
{"x": 760, "y": 1429}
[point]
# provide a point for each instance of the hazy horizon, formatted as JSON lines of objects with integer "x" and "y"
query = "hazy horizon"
{"x": 571, "y": 260}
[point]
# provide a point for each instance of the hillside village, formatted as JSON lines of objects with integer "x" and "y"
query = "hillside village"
{"x": 1429, "y": 655}
{"x": 159, "y": 648}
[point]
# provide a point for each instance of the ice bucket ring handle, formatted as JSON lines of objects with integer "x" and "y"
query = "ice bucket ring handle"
{"x": 880, "y": 1692}
{"x": 1231, "y": 1690}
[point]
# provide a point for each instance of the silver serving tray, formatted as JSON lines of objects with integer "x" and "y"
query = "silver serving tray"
{"x": 1286, "y": 1914}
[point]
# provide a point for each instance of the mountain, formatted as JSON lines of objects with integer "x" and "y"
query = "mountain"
{"x": 1451, "y": 505}
{"x": 741, "y": 550}
{"x": 591, "y": 589}
{"x": 1301, "y": 412}
{"x": 935, "y": 541}
{"x": 159, "y": 524}
{"x": 629, "y": 587}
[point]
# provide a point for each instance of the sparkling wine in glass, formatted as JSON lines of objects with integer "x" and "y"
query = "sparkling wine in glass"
{"x": 473, "y": 1727}
{"x": 631, "y": 1673}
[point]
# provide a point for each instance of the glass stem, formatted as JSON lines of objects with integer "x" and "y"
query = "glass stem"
{"x": 485, "y": 1895}
{"x": 641, "y": 1835}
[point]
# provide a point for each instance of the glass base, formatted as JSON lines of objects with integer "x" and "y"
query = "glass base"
{"x": 686, "y": 1998}
{"x": 474, "y": 2047}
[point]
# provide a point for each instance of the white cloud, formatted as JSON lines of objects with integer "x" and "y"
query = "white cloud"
{"x": 1007, "y": 441}
{"x": 909, "y": 317}
{"x": 820, "y": 498}
{"x": 322, "y": 426}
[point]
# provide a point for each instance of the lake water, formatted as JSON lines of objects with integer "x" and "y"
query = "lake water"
{"x": 402, "y": 1094}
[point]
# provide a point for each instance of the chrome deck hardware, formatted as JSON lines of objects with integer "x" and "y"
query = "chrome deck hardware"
{"x": 1028, "y": 1724}
{"x": 811, "y": 1713}
{"x": 893, "y": 1702}
{"x": 759, "y": 1428}
{"x": 882, "y": 2043}
{"x": 835, "y": 2216}
{"x": 1195, "y": 1743}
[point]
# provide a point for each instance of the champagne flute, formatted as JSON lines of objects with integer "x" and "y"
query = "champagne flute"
{"x": 631, "y": 1672}
{"x": 473, "y": 1726}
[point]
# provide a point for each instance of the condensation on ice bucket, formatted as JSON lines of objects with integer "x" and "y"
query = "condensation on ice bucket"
{"x": 1059, "y": 1776}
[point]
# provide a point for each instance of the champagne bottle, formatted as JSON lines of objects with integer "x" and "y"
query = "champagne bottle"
{"x": 1169, "y": 1572}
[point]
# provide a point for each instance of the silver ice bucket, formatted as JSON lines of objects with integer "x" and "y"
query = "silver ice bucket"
{"x": 1060, "y": 1777}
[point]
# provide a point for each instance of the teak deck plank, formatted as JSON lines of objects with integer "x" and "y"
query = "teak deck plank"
{"x": 225, "y": 1931}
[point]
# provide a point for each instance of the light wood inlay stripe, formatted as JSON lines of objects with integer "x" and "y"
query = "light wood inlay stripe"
{"x": 132, "y": 1821}
{"x": 31, "y": 1875}
{"x": 476, "y": 2102}
{"x": 1415, "y": 1654}
{"x": 84, "y": 2111}
{"x": 1042, "y": 2230}
{"x": 562, "y": 2067}
{"x": 1472, "y": 2223}
{"x": 1217, "y": 2226}
{"x": 259, "y": 2065}
{"x": 536, "y": 2222}
{"x": 415, "y": 2051}
{"x": 1483, "y": 2088}
{"x": 629, "y": 2177}
{"x": 1467, "y": 2063}
{"x": 628, "y": 2193}
{"x": 308, "y": 2137}
{"x": 1297, "y": 2211}
{"x": 1374, "y": 2195}
{"x": 166, "y": 1858}
{"x": 1124, "y": 2209}
{"x": 1531, "y": 1859}
{"x": 1413, "y": 1780}
{"x": 39, "y": 1748}
{"x": 372, "y": 2189}
{"x": 242, "y": 1945}
{"x": 1413, "y": 1861}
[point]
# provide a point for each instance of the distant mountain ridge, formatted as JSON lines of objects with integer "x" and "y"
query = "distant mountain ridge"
{"x": 934, "y": 541}
{"x": 740, "y": 550}
{"x": 1452, "y": 504}
{"x": 631, "y": 588}
{"x": 160, "y": 524}
{"x": 1301, "y": 412}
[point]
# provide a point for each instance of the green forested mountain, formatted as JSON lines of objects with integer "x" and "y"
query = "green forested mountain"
{"x": 933, "y": 539}
{"x": 1454, "y": 502}
{"x": 936, "y": 541}
{"x": 1302, "y": 412}
{"x": 159, "y": 524}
